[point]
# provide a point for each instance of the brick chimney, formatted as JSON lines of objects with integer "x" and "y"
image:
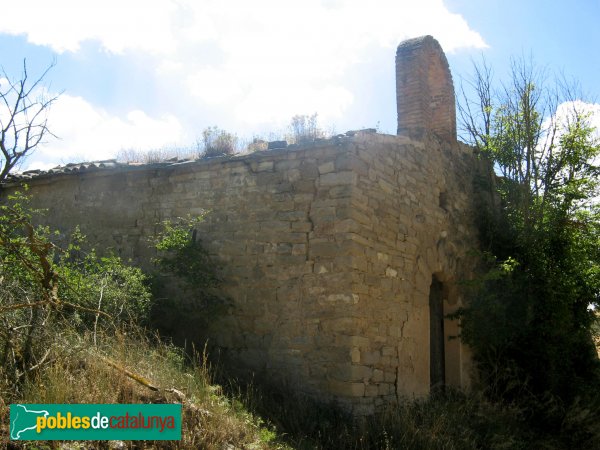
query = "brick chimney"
{"x": 424, "y": 90}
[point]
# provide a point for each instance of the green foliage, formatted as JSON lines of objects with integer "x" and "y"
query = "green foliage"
{"x": 25, "y": 250}
{"x": 182, "y": 255}
{"x": 104, "y": 283}
{"x": 186, "y": 283}
{"x": 45, "y": 290}
{"x": 530, "y": 321}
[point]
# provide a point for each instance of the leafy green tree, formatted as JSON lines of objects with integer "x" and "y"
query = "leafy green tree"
{"x": 531, "y": 321}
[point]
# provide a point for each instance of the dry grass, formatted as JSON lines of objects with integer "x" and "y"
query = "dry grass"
{"x": 82, "y": 374}
{"x": 157, "y": 155}
{"x": 451, "y": 420}
{"x": 79, "y": 372}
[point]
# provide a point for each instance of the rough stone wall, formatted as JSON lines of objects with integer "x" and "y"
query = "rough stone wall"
{"x": 327, "y": 252}
{"x": 414, "y": 208}
{"x": 424, "y": 90}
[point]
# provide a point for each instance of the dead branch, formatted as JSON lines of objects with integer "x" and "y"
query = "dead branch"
{"x": 134, "y": 376}
{"x": 23, "y": 118}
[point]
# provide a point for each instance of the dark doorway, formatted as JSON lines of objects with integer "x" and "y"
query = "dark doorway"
{"x": 437, "y": 367}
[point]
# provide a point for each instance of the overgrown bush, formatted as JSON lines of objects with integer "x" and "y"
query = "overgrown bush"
{"x": 181, "y": 253}
{"x": 103, "y": 283}
{"x": 70, "y": 333}
{"x": 257, "y": 145}
{"x": 186, "y": 282}
{"x": 217, "y": 142}
{"x": 305, "y": 128}
{"x": 46, "y": 291}
{"x": 530, "y": 322}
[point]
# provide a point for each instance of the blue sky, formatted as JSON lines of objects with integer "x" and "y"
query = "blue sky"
{"x": 154, "y": 73}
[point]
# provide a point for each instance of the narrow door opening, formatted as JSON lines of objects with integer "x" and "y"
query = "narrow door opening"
{"x": 437, "y": 366}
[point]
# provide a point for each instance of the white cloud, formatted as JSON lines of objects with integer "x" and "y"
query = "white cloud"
{"x": 567, "y": 111}
{"x": 88, "y": 133}
{"x": 268, "y": 104}
{"x": 118, "y": 25}
{"x": 282, "y": 58}
{"x": 252, "y": 61}
{"x": 214, "y": 86}
{"x": 311, "y": 27}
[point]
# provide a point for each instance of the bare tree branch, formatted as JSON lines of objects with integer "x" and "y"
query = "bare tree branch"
{"x": 24, "y": 110}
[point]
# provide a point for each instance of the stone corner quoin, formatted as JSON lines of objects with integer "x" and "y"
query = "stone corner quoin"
{"x": 340, "y": 258}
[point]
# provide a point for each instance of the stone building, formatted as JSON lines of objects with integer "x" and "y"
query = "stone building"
{"x": 340, "y": 257}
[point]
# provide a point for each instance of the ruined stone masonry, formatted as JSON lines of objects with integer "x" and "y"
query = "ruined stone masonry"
{"x": 340, "y": 257}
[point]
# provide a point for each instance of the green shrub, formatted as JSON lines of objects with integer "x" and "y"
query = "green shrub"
{"x": 45, "y": 290}
{"x": 181, "y": 253}
{"x": 186, "y": 282}
{"x": 106, "y": 284}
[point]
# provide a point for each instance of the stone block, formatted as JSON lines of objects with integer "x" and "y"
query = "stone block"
{"x": 326, "y": 167}
{"x": 355, "y": 355}
{"x": 298, "y": 249}
{"x": 352, "y": 341}
{"x": 344, "y": 299}
{"x": 346, "y": 389}
{"x": 370, "y": 358}
{"x": 308, "y": 170}
{"x": 389, "y": 376}
{"x": 348, "y": 161}
{"x": 275, "y": 225}
{"x": 337, "y": 178}
{"x": 338, "y": 192}
{"x": 388, "y": 351}
{"x": 344, "y": 325}
{"x": 324, "y": 249}
{"x": 351, "y": 372}
{"x": 377, "y": 376}
{"x": 392, "y": 273}
{"x": 262, "y": 166}
{"x": 371, "y": 390}
{"x": 385, "y": 389}
{"x": 303, "y": 227}
{"x": 293, "y": 175}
